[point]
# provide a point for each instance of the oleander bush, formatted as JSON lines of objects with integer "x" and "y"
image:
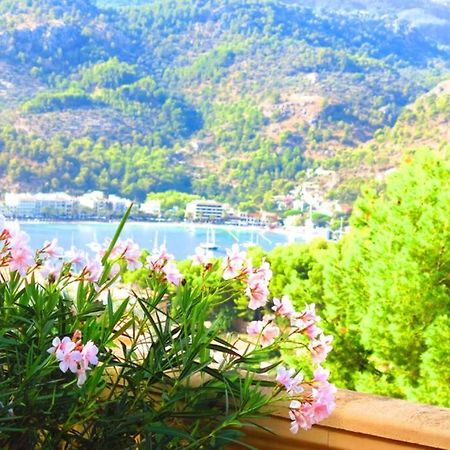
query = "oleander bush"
{"x": 89, "y": 362}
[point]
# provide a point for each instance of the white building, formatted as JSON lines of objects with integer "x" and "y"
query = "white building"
{"x": 204, "y": 210}
{"x": 118, "y": 205}
{"x": 94, "y": 200}
{"x": 40, "y": 205}
{"x": 152, "y": 207}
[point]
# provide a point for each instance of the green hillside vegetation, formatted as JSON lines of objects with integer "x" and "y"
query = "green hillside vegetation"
{"x": 240, "y": 97}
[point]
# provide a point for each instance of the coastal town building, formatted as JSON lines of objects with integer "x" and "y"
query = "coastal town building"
{"x": 204, "y": 210}
{"x": 118, "y": 205}
{"x": 41, "y": 205}
{"x": 100, "y": 205}
{"x": 152, "y": 208}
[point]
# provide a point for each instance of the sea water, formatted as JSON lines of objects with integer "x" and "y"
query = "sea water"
{"x": 180, "y": 239}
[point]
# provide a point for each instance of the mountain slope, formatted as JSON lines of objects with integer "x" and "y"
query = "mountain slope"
{"x": 232, "y": 99}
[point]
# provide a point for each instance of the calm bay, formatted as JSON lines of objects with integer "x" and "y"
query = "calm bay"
{"x": 180, "y": 239}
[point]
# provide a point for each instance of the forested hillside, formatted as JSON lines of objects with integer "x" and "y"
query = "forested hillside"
{"x": 232, "y": 99}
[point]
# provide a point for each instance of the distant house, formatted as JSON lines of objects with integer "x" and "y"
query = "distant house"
{"x": 204, "y": 210}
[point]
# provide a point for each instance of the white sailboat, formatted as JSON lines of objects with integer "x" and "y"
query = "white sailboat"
{"x": 210, "y": 243}
{"x": 251, "y": 242}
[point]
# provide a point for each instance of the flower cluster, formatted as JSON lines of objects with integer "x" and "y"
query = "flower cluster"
{"x": 161, "y": 262}
{"x": 74, "y": 356}
{"x": 317, "y": 402}
{"x": 202, "y": 257}
{"x": 313, "y": 400}
{"x": 15, "y": 252}
{"x": 236, "y": 266}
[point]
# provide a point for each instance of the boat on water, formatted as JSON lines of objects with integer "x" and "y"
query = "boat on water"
{"x": 210, "y": 243}
{"x": 252, "y": 242}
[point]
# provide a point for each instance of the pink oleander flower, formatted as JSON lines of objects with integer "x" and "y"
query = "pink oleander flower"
{"x": 73, "y": 356}
{"x": 302, "y": 416}
{"x": 115, "y": 269}
{"x": 131, "y": 252}
{"x": 310, "y": 329}
{"x": 58, "y": 344}
{"x": 321, "y": 375}
{"x": 257, "y": 291}
{"x": 320, "y": 348}
{"x": 89, "y": 354}
{"x": 306, "y": 322}
{"x": 51, "y": 249}
{"x": 270, "y": 332}
{"x": 93, "y": 270}
{"x": 159, "y": 258}
{"x": 233, "y": 263}
{"x": 202, "y": 257}
{"x": 283, "y": 307}
{"x": 287, "y": 379}
{"x": 172, "y": 273}
{"x": 21, "y": 259}
{"x": 75, "y": 256}
{"x": 81, "y": 376}
{"x": 68, "y": 357}
{"x": 254, "y": 328}
{"x": 266, "y": 331}
{"x": 264, "y": 271}
{"x": 51, "y": 270}
{"x": 309, "y": 314}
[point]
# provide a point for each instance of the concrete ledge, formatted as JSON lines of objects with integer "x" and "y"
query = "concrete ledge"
{"x": 361, "y": 422}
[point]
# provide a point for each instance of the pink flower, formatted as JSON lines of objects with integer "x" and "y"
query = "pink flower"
{"x": 57, "y": 344}
{"x": 283, "y": 307}
{"x": 18, "y": 238}
{"x": 284, "y": 376}
{"x": 202, "y": 257}
{"x": 254, "y": 328}
{"x": 321, "y": 375}
{"x": 115, "y": 269}
{"x": 266, "y": 331}
{"x": 68, "y": 357}
{"x": 302, "y": 416}
{"x": 75, "y": 256}
{"x": 264, "y": 271}
{"x": 131, "y": 252}
{"x": 309, "y": 314}
{"x": 51, "y": 249}
{"x": 21, "y": 259}
{"x": 233, "y": 263}
{"x": 159, "y": 258}
{"x": 71, "y": 358}
{"x": 291, "y": 383}
{"x": 323, "y": 395}
{"x": 306, "y": 322}
{"x": 93, "y": 270}
{"x": 50, "y": 270}
{"x": 89, "y": 354}
{"x": 81, "y": 376}
{"x": 258, "y": 285}
{"x": 320, "y": 348}
{"x": 172, "y": 273}
{"x": 257, "y": 291}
